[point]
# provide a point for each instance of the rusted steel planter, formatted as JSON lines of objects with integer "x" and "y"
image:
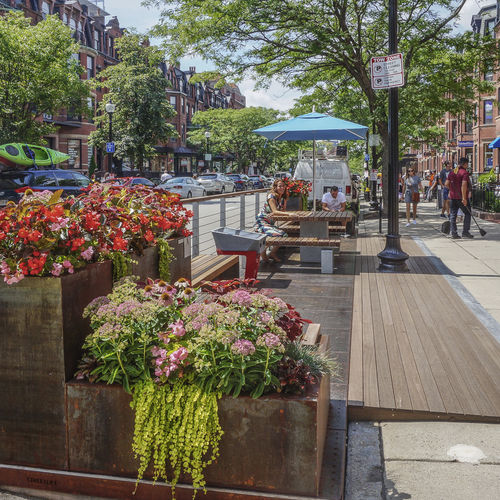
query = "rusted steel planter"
{"x": 41, "y": 334}
{"x": 180, "y": 267}
{"x": 273, "y": 444}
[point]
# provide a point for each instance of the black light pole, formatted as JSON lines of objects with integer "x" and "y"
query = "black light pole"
{"x": 110, "y": 109}
{"x": 392, "y": 258}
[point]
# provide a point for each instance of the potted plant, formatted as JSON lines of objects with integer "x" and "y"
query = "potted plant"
{"x": 55, "y": 257}
{"x": 298, "y": 192}
{"x": 187, "y": 361}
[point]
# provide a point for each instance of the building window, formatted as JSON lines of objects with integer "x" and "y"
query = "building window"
{"x": 90, "y": 67}
{"x": 72, "y": 24}
{"x": 488, "y": 158}
{"x": 489, "y": 24}
{"x": 66, "y": 18}
{"x": 488, "y": 111}
{"x": 173, "y": 101}
{"x": 488, "y": 73}
{"x": 97, "y": 40}
{"x": 468, "y": 123}
{"x": 183, "y": 105}
{"x": 111, "y": 46}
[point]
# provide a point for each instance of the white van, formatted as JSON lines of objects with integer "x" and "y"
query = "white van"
{"x": 330, "y": 171}
{"x": 282, "y": 175}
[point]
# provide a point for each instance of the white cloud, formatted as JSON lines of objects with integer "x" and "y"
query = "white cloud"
{"x": 471, "y": 8}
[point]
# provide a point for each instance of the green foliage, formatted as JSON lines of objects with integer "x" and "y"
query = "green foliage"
{"x": 324, "y": 50}
{"x": 487, "y": 177}
{"x": 319, "y": 362}
{"x": 175, "y": 424}
{"x": 122, "y": 265}
{"x": 37, "y": 75}
{"x": 232, "y": 131}
{"x": 165, "y": 258}
{"x": 138, "y": 89}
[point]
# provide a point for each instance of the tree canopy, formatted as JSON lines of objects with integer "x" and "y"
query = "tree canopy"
{"x": 231, "y": 131}
{"x": 324, "y": 47}
{"x": 38, "y": 76}
{"x": 138, "y": 88}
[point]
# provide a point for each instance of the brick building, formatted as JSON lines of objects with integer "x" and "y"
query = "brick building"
{"x": 87, "y": 20}
{"x": 469, "y": 136}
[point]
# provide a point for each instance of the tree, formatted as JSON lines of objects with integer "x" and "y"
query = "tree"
{"x": 232, "y": 132}
{"x": 323, "y": 46}
{"x": 37, "y": 76}
{"x": 138, "y": 89}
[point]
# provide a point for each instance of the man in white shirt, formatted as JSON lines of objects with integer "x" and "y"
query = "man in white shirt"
{"x": 334, "y": 200}
{"x": 165, "y": 177}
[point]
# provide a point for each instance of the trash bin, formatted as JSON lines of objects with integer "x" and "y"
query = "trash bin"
{"x": 229, "y": 241}
{"x": 237, "y": 240}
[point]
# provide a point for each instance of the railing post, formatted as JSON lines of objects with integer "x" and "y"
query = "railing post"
{"x": 195, "y": 248}
{"x": 257, "y": 204}
{"x": 222, "y": 212}
{"x": 242, "y": 211}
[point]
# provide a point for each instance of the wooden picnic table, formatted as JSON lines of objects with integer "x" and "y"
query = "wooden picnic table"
{"x": 314, "y": 224}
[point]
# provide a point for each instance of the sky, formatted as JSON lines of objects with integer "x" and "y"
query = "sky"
{"x": 130, "y": 13}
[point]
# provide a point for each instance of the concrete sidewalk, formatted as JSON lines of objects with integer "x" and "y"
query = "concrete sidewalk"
{"x": 435, "y": 460}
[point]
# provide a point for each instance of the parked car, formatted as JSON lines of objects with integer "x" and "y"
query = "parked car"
{"x": 259, "y": 181}
{"x": 248, "y": 181}
{"x": 187, "y": 187}
{"x": 240, "y": 183}
{"x": 212, "y": 183}
{"x": 130, "y": 181}
{"x": 14, "y": 182}
{"x": 224, "y": 183}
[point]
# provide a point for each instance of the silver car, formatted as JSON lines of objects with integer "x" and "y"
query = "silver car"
{"x": 222, "y": 183}
{"x": 187, "y": 187}
{"x": 211, "y": 184}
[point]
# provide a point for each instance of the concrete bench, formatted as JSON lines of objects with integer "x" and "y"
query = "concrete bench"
{"x": 210, "y": 267}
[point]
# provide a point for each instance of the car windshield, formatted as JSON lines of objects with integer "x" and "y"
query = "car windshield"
{"x": 177, "y": 180}
{"x": 13, "y": 180}
{"x": 234, "y": 176}
{"x": 210, "y": 176}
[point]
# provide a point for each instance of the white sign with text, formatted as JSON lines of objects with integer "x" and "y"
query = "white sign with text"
{"x": 387, "y": 71}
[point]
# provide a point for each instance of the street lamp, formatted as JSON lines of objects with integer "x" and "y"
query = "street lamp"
{"x": 207, "y": 156}
{"x": 110, "y": 109}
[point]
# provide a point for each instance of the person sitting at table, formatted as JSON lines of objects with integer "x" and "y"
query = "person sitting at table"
{"x": 275, "y": 204}
{"x": 334, "y": 201}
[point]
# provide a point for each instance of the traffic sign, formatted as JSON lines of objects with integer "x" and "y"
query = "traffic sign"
{"x": 387, "y": 71}
{"x": 208, "y": 157}
{"x": 110, "y": 147}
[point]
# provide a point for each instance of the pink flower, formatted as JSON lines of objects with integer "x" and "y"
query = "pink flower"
{"x": 87, "y": 254}
{"x": 242, "y": 297}
{"x": 69, "y": 266}
{"x": 179, "y": 355}
{"x": 57, "y": 269}
{"x": 269, "y": 340}
{"x": 178, "y": 328}
{"x": 14, "y": 278}
{"x": 243, "y": 347}
{"x": 265, "y": 317}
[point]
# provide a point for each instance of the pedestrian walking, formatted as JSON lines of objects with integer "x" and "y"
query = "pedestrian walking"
{"x": 458, "y": 182}
{"x": 275, "y": 204}
{"x": 412, "y": 189}
{"x": 443, "y": 175}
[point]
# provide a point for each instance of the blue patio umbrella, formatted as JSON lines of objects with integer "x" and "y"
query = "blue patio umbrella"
{"x": 314, "y": 127}
{"x": 495, "y": 143}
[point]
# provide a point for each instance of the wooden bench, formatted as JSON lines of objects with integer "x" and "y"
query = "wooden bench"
{"x": 294, "y": 227}
{"x": 210, "y": 267}
{"x": 292, "y": 241}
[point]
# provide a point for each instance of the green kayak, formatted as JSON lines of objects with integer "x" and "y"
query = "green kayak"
{"x": 28, "y": 154}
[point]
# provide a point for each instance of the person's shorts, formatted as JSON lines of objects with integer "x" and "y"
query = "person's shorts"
{"x": 446, "y": 192}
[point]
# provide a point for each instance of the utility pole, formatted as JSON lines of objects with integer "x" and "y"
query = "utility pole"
{"x": 392, "y": 258}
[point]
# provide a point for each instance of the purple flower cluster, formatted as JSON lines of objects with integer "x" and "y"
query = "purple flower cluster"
{"x": 242, "y": 298}
{"x": 243, "y": 347}
{"x": 270, "y": 340}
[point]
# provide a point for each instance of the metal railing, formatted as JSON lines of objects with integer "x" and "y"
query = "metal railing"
{"x": 486, "y": 198}
{"x": 236, "y": 210}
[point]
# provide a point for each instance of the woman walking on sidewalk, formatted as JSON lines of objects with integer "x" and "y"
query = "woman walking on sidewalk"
{"x": 412, "y": 188}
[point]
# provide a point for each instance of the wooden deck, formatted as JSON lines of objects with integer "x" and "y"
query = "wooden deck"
{"x": 417, "y": 352}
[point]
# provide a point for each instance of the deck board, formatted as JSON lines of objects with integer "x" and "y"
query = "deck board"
{"x": 416, "y": 349}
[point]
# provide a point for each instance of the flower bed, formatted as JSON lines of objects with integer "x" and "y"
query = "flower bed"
{"x": 45, "y": 235}
{"x": 178, "y": 352}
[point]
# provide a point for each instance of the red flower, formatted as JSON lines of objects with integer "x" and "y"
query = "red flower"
{"x": 120, "y": 244}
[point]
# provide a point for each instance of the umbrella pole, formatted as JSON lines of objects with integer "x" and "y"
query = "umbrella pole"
{"x": 314, "y": 175}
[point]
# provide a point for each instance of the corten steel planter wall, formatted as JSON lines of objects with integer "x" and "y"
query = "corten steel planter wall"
{"x": 274, "y": 443}
{"x": 41, "y": 334}
{"x": 180, "y": 267}
{"x": 294, "y": 203}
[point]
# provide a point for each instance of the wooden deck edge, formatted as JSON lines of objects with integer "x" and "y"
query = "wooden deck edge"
{"x": 363, "y": 413}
